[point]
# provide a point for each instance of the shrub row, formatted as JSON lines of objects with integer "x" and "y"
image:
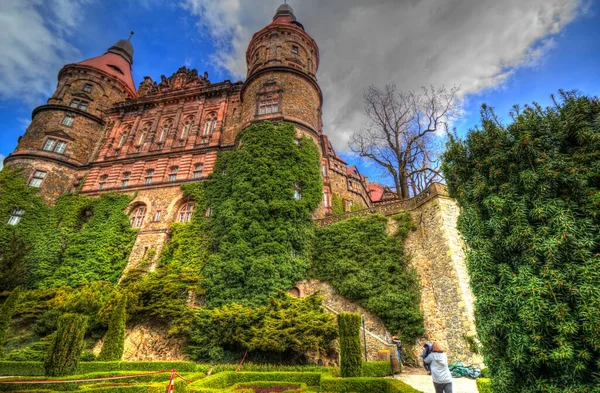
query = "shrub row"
{"x": 376, "y": 369}
{"x": 37, "y": 368}
{"x": 484, "y": 385}
{"x": 228, "y": 378}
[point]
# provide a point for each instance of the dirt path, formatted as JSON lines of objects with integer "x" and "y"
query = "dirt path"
{"x": 419, "y": 380}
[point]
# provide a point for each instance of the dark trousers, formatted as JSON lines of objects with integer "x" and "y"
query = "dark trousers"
{"x": 443, "y": 387}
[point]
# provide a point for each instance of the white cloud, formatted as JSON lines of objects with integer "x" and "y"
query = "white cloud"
{"x": 2, "y": 161}
{"x": 33, "y": 38}
{"x": 476, "y": 44}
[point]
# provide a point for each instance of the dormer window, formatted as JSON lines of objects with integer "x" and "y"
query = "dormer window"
{"x": 55, "y": 146}
{"x": 79, "y": 104}
{"x": 294, "y": 49}
{"x": 87, "y": 88}
{"x": 116, "y": 69}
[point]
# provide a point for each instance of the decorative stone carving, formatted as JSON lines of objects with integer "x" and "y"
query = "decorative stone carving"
{"x": 183, "y": 78}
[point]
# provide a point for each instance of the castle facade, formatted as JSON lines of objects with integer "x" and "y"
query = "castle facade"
{"x": 98, "y": 133}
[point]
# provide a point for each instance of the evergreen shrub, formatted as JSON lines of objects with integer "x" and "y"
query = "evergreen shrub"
{"x": 483, "y": 385}
{"x": 529, "y": 194}
{"x": 376, "y": 369}
{"x": 350, "y": 349}
{"x": 64, "y": 353}
{"x": 6, "y": 313}
{"x": 114, "y": 341}
{"x": 365, "y": 264}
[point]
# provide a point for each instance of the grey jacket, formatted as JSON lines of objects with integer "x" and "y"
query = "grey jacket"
{"x": 439, "y": 367}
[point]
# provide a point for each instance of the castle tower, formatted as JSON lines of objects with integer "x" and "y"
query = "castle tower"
{"x": 65, "y": 133}
{"x": 282, "y": 61}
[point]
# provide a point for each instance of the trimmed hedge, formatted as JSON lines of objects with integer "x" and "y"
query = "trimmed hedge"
{"x": 350, "y": 351}
{"x": 37, "y": 368}
{"x": 484, "y": 385}
{"x": 376, "y": 369}
{"x": 65, "y": 350}
{"x": 114, "y": 341}
{"x": 228, "y": 378}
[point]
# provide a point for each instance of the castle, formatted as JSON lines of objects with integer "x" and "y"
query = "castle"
{"x": 99, "y": 134}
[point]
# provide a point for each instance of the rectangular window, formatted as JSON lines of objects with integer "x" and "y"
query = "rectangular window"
{"x": 157, "y": 216}
{"x": 324, "y": 170}
{"x": 102, "y": 182}
{"x": 37, "y": 179}
{"x": 83, "y": 105}
{"x": 87, "y": 88}
{"x": 173, "y": 174}
{"x": 266, "y": 107}
{"x": 15, "y": 216}
{"x": 125, "y": 180}
{"x": 149, "y": 174}
{"x": 198, "y": 171}
{"x": 55, "y": 146}
{"x": 74, "y": 103}
{"x": 325, "y": 200}
{"x": 294, "y": 49}
{"x": 67, "y": 120}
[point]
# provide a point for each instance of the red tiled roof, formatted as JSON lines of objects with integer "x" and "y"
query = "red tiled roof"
{"x": 103, "y": 63}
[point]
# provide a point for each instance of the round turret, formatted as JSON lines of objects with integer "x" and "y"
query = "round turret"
{"x": 281, "y": 84}
{"x": 64, "y": 135}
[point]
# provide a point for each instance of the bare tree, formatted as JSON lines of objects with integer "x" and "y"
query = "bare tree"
{"x": 403, "y": 134}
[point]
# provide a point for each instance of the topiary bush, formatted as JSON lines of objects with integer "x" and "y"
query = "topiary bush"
{"x": 114, "y": 341}
{"x": 529, "y": 194}
{"x": 350, "y": 350}
{"x": 6, "y": 312}
{"x": 484, "y": 385}
{"x": 65, "y": 350}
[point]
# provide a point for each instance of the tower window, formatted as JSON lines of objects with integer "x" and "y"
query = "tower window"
{"x": 125, "y": 179}
{"x": 173, "y": 173}
{"x": 185, "y": 213}
{"x": 116, "y": 69}
{"x": 198, "y": 171}
{"x": 15, "y": 216}
{"x": 324, "y": 170}
{"x": 68, "y": 120}
{"x": 137, "y": 216}
{"x": 325, "y": 199}
{"x": 268, "y": 105}
{"x": 294, "y": 49}
{"x": 37, "y": 179}
{"x": 87, "y": 88}
{"x": 149, "y": 174}
{"x": 102, "y": 182}
{"x": 79, "y": 104}
{"x": 55, "y": 145}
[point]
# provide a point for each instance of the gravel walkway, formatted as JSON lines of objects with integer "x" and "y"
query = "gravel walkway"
{"x": 418, "y": 379}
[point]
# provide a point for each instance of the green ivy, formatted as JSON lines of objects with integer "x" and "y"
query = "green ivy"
{"x": 261, "y": 235}
{"x": 6, "y": 312}
{"x": 365, "y": 264}
{"x": 337, "y": 205}
{"x": 77, "y": 241}
{"x": 530, "y": 201}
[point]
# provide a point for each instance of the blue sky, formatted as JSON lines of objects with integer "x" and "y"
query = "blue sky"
{"x": 502, "y": 56}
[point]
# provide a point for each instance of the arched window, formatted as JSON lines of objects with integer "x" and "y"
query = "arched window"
{"x": 185, "y": 212}
{"x": 144, "y": 134}
{"x": 164, "y": 131}
{"x": 102, "y": 181}
{"x": 198, "y": 171}
{"x": 210, "y": 124}
{"x": 187, "y": 126}
{"x": 124, "y": 136}
{"x": 137, "y": 216}
{"x": 173, "y": 173}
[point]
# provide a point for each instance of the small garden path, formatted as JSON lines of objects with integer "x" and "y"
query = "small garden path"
{"x": 420, "y": 380}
